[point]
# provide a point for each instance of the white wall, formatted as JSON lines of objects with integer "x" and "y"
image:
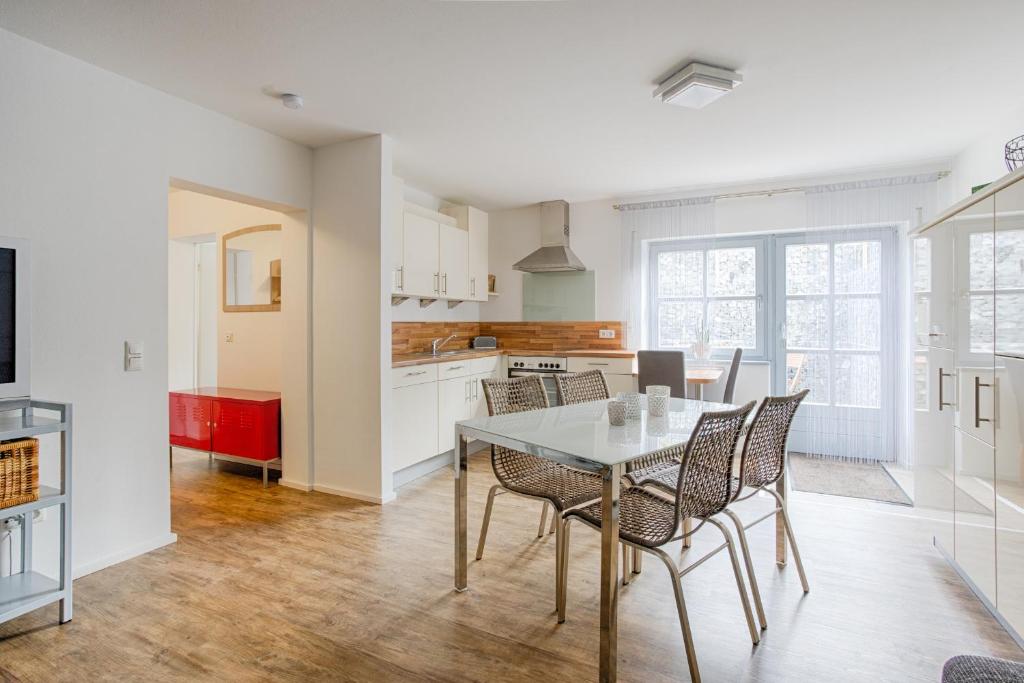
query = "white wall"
{"x": 353, "y": 207}
{"x": 87, "y": 159}
{"x": 254, "y": 359}
{"x": 982, "y": 161}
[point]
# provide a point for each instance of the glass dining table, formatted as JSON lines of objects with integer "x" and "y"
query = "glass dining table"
{"x": 581, "y": 437}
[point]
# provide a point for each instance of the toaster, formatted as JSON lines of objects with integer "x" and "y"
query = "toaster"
{"x": 485, "y": 342}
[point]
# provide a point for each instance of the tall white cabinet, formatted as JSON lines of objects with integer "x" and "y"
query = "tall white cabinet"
{"x": 968, "y": 302}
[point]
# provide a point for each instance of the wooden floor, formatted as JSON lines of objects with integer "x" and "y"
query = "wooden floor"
{"x": 281, "y": 585}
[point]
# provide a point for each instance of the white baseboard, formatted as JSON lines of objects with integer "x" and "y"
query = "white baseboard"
{"x": 298, "y": 485}
{"x": 322, "y": 488}
{"x": 126, "y": 554}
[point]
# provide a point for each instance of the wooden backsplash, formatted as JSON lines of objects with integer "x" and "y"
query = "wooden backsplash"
{"x": 526, "y": 336}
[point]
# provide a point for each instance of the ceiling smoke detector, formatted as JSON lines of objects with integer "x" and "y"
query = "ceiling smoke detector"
{"x": 291, "y": 101}
{"x": 696, "y": 85}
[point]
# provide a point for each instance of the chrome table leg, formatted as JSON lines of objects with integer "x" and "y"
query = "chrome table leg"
{"x": 609, "y": 572}
{"x": 461, "y": 467}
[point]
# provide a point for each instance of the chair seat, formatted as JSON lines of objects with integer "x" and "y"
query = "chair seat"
{"x": 644, "y": 518}
{"x": 666, "y": 478}
{"x": 977, "y": 669}
{"x": 533, "y": 476}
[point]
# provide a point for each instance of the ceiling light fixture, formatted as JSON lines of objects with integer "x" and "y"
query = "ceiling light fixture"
{"x": 696, "y": 85}
{"x": 291, "y": 101}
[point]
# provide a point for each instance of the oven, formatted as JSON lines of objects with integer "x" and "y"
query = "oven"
{"x": 546, "y": 367}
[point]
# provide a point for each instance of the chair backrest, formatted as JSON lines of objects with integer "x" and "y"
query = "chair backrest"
{"x": 764, "y": 452}
{"x": 581, "y": 387}
{"x": 515, "y": 395}
{"x": 705, "y": 476}
{"x": 730, "y": 382}
{"x": 662, "y": 367}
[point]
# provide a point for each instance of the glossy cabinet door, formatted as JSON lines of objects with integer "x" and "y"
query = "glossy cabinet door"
{"x": 478, "y": 259}
{"x": 453, "y": 405}
{"x": 1009, "y": 380}
{"x": 420, "y": 255}
{"x": 934, "y": 287}
{"x": 974, "y": 509}
{"x": 191, "y": 421}
{"x": 975, "y": 318}
{"x": 397, "y": 236}
{"x": 934, "y": 392}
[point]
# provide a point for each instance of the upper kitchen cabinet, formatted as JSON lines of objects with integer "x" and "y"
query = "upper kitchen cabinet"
{"x": 397, "y": 236}
{"x": 453, "y": 264}
{"x": 474, "y": 222}
{"x": 420, "y": 248}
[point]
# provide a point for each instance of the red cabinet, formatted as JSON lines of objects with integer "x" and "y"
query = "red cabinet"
{"x": 235, "y": 422}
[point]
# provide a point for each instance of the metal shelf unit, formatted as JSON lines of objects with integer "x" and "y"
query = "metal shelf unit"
{"x": 28, "y": 590}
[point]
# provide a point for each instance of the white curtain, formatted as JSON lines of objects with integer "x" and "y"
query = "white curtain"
{"x": 640, "y": 225}
{"x": 847, "y": 292}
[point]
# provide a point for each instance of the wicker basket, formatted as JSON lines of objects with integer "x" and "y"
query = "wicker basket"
{"x": 19, "y": 472}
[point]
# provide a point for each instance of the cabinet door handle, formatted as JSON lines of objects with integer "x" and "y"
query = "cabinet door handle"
{"x": 437, "y": 283}
{"x": 413, "y": 374}
{"x": 469, "y": 391}
{"x": 444, "y": 280}
{"x": 401, "y": 278}
{"x": 936, "y": 334}
{"x": 455, "y": 367}
{"x": 942, "y": 403}
{"x": 978, "y": 419}
{"x": 598, "y": 363}
{"x": 472, "y": 286}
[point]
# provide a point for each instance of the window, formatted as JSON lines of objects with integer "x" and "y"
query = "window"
{"x": 718, "y": 284}
{"x": 995, "y": 294}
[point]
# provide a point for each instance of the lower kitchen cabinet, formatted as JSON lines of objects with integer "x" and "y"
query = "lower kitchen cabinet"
{"x": 618, "y": 372}
{"x": 414, "y": 423}
{"x": 426, "y": 402}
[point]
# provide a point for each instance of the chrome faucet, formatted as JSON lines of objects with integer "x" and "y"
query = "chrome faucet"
{"x": 436, "y": 344}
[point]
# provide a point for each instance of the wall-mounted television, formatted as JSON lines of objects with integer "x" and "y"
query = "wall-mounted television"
{"x": 15, "y": 318}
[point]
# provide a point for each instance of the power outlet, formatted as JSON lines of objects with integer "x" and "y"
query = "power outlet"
{"x": 606, "y": 334}
{"x": 229, "y": 337}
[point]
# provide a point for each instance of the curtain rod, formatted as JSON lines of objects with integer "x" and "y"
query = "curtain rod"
{"x": 828, "y": 187}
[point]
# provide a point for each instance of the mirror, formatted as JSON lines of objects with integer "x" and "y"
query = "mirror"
{"x": 251, "y": 267}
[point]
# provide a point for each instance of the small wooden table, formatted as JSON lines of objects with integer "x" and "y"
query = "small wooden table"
{"x": 703, "y": 375}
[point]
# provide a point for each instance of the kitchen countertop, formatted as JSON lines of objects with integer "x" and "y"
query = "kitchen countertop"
{"x": 407, "y": 359}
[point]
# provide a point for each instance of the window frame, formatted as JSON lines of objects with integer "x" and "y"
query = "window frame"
{"x": 761, "y": 245}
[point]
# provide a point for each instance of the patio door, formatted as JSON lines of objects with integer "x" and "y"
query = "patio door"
{"x": 836, "y": 321}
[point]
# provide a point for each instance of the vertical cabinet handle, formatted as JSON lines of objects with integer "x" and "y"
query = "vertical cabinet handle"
{"x": 472, "y": 286}
{"x": 942, "y": 403}
{"x": 444, "y": 280}
{"x": 401, "y": 278}
{"x": 437, "y": 283}
{"x": 978, "y": 419}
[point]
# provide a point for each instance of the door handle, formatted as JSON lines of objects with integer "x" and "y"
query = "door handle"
{"x": 943, "y": 404}
{"x": 472, "y": 286}
{"x": 598, "y": 363}
{"x": 437, "y": 283}
{"x": 978, "y": 419}
{"x": 468, "y": 391}
{"x": 444, "y": 279}
{"x": 401, "y": 278}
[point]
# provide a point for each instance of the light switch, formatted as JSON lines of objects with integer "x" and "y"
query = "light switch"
{"x": 133, "y": 352}
{"x": 229, "y": 337}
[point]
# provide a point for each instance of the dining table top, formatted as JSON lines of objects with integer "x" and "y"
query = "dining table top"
{"x": 581, "y": 435}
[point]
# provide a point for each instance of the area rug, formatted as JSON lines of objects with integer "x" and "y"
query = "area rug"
{"x": 842, "y": 478}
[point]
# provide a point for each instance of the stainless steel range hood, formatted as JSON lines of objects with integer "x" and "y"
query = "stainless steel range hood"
{"x": 554, "y": 255}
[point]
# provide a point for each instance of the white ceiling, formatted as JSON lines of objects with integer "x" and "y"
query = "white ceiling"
{"x": 508, "y": 103}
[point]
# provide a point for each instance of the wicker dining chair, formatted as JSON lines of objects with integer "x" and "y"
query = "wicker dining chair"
{"x": 648, "y": 521}
{"x": 527, "y": 475}
{"x": 762, "y": 464}
{"x": 582, "y": 387}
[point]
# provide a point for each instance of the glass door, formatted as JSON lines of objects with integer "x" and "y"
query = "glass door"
{"x": 836, "y": 321}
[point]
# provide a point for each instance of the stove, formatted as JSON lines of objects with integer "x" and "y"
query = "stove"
{"x": 546, "y": 367}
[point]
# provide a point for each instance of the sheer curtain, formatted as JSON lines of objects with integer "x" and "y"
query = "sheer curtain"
{"x": 833, "y": 304}
{"x": 862, "y": 388}
{"x": 640, "y": 225}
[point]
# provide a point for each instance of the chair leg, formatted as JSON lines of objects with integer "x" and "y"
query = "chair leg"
{"x": 745, "y": 549}
{"x": 754, "y": 636}
{"x": 687, "y": 528}
{"x": 638, "y": 561}
{"x": 554, "y": 520}
{"x": 684, "y": 620}
{"x": 792, "y": 540}
{"x": 626, "y": 571}
{"x": 543, "y": 520}
{"x": 559, "y": 558}
{"x": 487, "y": 521}
{"x": 564, "y": 571}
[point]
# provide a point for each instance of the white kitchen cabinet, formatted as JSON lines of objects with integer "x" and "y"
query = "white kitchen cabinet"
{"x": 475, "y": 222}
{"x": 413, "y": 424}
{"x": 397, "y": 236}
{"x": 420, "y": 243}
{"x": 453, "y": 404}
{"x": 453, "y": 264}
{"x": 618, "y": 372}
